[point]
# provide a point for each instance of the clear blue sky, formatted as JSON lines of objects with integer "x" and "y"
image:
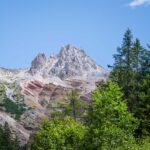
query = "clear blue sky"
{"x": 28, "y": 27}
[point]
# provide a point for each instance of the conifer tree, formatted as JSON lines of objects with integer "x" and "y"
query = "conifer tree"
{"x": 123, "y": 61}
{"x": 131, "y": 71}
{"x": 76, "y": 106}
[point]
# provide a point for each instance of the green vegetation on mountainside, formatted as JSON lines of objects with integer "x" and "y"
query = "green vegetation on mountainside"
{"x": 15, "y": 107}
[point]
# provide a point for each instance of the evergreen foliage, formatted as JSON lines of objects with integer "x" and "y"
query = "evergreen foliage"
{"x": 13, "y": 108}
{"x": 131, "y": 71}
{"x": 76, "y": 107}
{"x": 6, "y": 140}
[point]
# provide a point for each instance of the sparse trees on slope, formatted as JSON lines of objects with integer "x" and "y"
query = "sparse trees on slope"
{"x": 76, "y": 106}
{"x": 122, "y": 66}
{"x": 6, "y": 140}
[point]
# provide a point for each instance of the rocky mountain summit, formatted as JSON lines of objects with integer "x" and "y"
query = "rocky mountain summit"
{"x": 36, "y": 91}
{"x": 70, "y": 62}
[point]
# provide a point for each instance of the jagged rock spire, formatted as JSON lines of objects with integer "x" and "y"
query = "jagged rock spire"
{"x": 38, "y": 62}
{"x": 70, "y": 62}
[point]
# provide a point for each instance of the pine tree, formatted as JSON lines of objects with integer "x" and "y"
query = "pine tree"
{"x": 136, "y": 80}
{"x": 76, "y": 106}
{"x": 122, "y": 68}
{"x": 131, "y": 72}
{"x": 142, "y": 109}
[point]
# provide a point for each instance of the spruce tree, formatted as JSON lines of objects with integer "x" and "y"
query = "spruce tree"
{"x": 131, "y": 71}
{"x": 76, "y": 106}
{"x": 122, "y": 68}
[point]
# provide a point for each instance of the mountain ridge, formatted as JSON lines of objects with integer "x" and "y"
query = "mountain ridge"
{"x": 46, "y": 84}
{"x": 70, "y": 61}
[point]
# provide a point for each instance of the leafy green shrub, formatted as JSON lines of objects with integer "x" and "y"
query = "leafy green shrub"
{"x": 60, "y": 134}
{"x": 13, "y": 108}
{"x": 17, "y": 107}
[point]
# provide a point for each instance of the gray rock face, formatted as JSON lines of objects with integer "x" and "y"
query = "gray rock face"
{"x": 70, "y": 62}
{"x": 17, "y": 129}
{"x": 38, "y": 63}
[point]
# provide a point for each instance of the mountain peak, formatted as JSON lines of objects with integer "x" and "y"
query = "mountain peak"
{"x": 71, "y": 49}
{"x": 74, "y": 62}
{"x": 70, "y": 62}
{"x": 38, "y": 62}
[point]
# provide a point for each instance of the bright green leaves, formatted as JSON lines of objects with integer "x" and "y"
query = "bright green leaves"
{"x": 60, "y": 134}
{"x": 112, "y": 124}
{"x": 109, "y": 126}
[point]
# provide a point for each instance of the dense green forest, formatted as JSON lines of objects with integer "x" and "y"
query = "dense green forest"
{"x": 117, "y": 117}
